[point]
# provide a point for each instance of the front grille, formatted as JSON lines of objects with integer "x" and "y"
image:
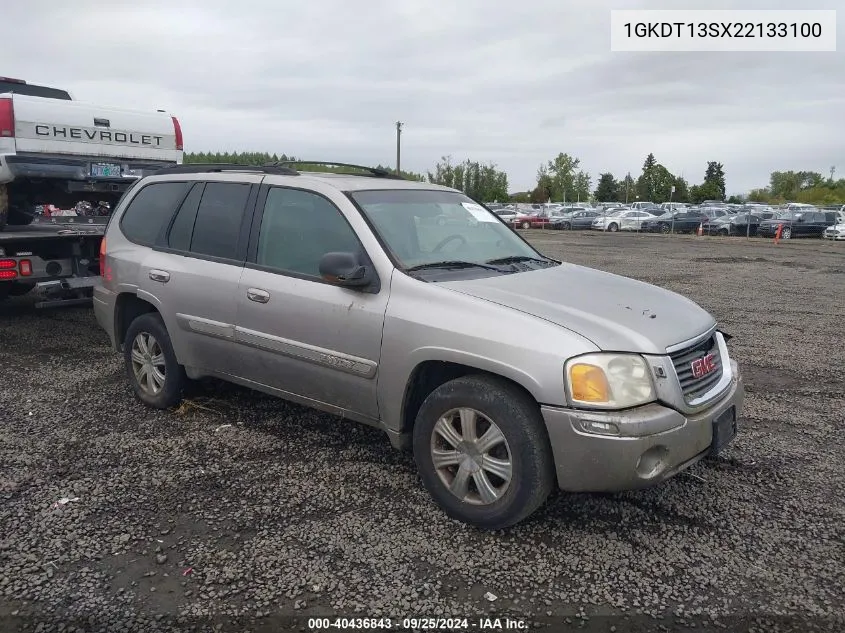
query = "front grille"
{"x": 691, "y": 386}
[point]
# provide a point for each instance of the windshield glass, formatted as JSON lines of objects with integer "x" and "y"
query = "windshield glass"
{"x": 422, "y": 226}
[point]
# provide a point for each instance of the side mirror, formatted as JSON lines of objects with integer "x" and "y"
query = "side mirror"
{"x": 344, "y": 269}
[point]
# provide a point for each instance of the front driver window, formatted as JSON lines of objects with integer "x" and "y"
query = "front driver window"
{"x": 298, "y": 228}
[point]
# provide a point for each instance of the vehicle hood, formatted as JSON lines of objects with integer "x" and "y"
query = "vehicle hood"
{"x": 614, "y": 312}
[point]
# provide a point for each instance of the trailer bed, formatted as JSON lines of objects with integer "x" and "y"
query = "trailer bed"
{"x": 50, "y": 228}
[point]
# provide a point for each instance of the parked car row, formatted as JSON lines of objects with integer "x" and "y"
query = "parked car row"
{"x": 795, "y": 219}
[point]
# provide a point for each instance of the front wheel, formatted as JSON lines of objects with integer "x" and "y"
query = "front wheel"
{"x": 665, "y": 228}
{"x": 482, "y": 451}
{"x": 526, "y": 225}
{"x": 613, "y": 227}
{"x": 786, "y": 233}
{"x": 151, "y": 366}
{"x": 566, "y": 226}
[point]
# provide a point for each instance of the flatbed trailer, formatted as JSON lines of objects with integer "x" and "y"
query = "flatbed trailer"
{"x": 57, "y": 258}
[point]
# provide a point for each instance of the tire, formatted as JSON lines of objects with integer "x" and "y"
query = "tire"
{"x": 665, "y": 229}
{"x": 566, "y": 226}
{"x": 525, "y": 444}
{"x": 526, "y": 225}
{"x": 786, "y": 233}
{"x": 150, "y": 327}
{"x": 613, "y": 227}
{"x": 724, "y": 232}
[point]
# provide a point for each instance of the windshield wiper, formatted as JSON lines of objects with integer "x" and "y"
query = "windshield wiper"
{"x": 513, "y": 259}
{"x": 453, "y": 264}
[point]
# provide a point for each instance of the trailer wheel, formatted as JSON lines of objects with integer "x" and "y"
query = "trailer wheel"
{"x": 4, "y": 207}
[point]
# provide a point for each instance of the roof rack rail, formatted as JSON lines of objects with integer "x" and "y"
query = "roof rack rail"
{"x": 373, "y": 171}
{"x": 203, "y": 168}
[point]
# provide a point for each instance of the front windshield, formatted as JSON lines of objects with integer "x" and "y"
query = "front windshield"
{"x": 423, "y": 226}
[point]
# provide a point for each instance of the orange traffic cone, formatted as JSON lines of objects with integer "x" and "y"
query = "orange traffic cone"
{"x": 778, "y": 232}
{"x": 701, "y": 229}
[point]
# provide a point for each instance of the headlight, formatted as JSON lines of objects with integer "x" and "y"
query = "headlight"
{"x": 608, "y": 381}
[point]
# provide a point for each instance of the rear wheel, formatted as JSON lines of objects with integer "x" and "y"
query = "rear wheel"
{"x": 665, "y": 228}
{"x": 786, "y": 233}
{"x": 151, "y": 366}
{"x": 526, "y": 225}
{"x": 482, "y": 451}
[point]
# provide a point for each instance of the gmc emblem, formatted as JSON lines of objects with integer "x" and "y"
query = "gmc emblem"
{"x": 703, "y": 366}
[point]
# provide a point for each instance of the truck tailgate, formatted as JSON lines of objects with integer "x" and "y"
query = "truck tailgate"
{"x": 55, "y": 126}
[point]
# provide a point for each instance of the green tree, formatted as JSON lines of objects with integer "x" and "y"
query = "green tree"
{"x": 645, "y": 183}
{"x": 681, "y": 190}
{"x": 607, "y": 189}
{"x": 627, "y": 189}
{"x": 714, "y": 179}
{"x": 485, "y": 183}
{"x": 655, "y": 183}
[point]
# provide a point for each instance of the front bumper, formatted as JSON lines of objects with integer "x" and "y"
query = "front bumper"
{"x": 654, "y": 442}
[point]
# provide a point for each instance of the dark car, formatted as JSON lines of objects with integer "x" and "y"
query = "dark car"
{"x": 739, "y": 224}
{"x": 798, "y": 224}
{"x": 679, "y": 222}
{"x": 576, "y": 220}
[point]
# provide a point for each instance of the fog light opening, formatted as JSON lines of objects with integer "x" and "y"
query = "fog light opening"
{"x": 653, "y": 462}
{"x": 600, "y": 428}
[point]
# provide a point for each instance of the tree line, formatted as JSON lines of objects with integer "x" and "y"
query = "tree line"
{"x": 809, "y": 187}
{"x": 562, "y": 180}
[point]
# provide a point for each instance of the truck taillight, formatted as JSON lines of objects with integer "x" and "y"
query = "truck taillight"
{"x": 25, "y": 268}
{"x": 7, "y": 118}
{"x": 8, "y": 274}
{"x": 7, "y": 264}
{"x": 177, "y": 129}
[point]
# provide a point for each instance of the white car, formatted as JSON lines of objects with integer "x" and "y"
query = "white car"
{"x": 835, "y": 232}
{"x": 628, "y": 220}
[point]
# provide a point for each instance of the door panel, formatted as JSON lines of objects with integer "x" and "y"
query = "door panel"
{"x": 199, "y": 307}
{"x": 311, "y": 339}
{"x": 296, "y": 332}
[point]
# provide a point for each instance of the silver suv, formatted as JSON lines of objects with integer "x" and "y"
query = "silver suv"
{"x": 503, "y": 370}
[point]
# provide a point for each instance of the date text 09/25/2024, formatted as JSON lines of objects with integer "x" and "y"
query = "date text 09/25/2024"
{"x": 456, "y": 625}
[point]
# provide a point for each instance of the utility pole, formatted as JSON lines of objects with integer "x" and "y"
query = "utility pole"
{"x": 398, "y": 146}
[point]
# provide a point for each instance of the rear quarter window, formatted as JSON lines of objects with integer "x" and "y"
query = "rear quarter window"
{"x": 219, "y": 217}
{"x": 150, "y": 210}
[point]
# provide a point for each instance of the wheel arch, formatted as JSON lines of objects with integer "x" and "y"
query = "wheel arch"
{"x": 128, "y": 307}
{"x": 428, "y": 375}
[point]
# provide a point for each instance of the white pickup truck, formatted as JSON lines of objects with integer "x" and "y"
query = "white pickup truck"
{"x": 56, "y": 150}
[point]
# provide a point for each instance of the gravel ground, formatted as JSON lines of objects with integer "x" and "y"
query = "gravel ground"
{"x": 247, "y": 513}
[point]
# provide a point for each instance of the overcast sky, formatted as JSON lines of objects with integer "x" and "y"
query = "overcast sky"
{"x": 492, "y": 80}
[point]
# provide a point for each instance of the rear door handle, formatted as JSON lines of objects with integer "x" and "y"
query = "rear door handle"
{"x": 160, "y": 275}
{"x": 258, "y": 295}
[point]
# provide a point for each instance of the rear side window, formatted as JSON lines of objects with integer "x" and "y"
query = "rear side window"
{"x": 183, "y": 226}
{"x": 219, "y": 217}
{"x": 150, "y": 210}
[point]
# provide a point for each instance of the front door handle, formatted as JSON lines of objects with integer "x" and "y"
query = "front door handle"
{"x": 258, "y": 295}
{"x": 160, "y": 275}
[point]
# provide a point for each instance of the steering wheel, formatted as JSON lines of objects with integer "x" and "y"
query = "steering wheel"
{"x": 448, "y": 239}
